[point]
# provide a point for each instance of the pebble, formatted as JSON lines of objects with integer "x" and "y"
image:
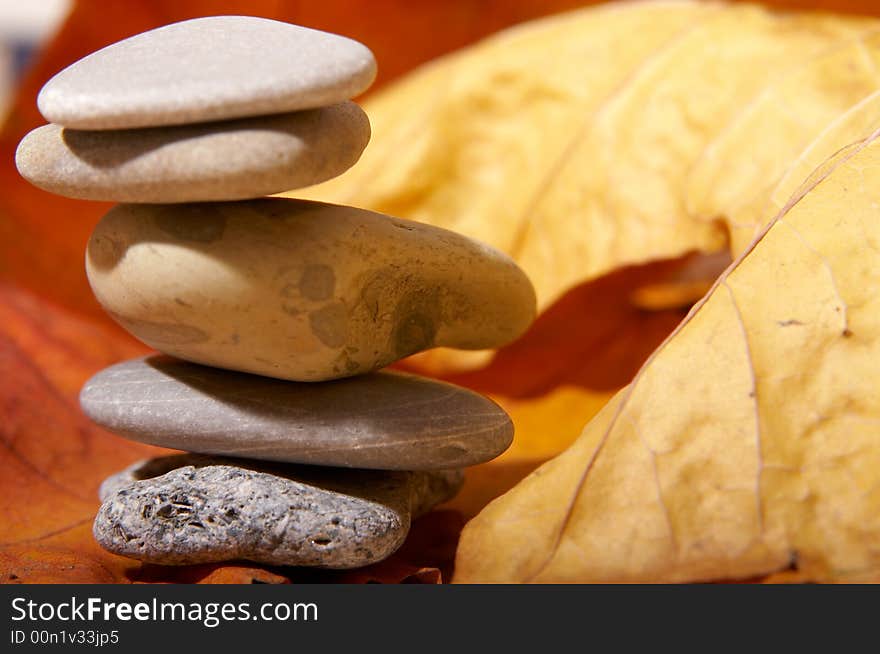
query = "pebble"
{"x": 230, "y": 160}
{"x": 188, "y": 509}
{"x": 300, "y": 290}
{"x": 207, "y": 69}
{"x": 384, "y": 420}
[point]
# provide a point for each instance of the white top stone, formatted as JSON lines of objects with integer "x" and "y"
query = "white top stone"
{"x": 207, "y": 69}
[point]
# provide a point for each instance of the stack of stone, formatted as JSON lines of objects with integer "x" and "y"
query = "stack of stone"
{"x": 273, "y": 315}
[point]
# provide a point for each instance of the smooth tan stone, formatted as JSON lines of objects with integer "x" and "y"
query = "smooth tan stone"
{"x": 300, "y": 290}
{"x": 384, "y": 420}
{"x": 207, "y": 69}
{"x": 229, "y": 160}
{"x": 187, "y": 509}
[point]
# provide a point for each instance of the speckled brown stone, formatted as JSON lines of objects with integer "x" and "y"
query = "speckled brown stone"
{"x": 300, "y": 290}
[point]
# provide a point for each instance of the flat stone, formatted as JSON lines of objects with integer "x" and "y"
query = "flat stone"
{"x": 187, "y": 509}
{"x": 228, "y": 160}
{"x": 384, "y": 420}
{"x": 207, "y": 69}
{"x": 300, "y": 290}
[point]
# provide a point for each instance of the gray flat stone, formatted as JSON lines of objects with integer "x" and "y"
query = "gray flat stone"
{"x": 187, "y": 509}
{"x": 228, "y": 160}
{"x": 384, "y": 420}
{"x": 207, "y": 69}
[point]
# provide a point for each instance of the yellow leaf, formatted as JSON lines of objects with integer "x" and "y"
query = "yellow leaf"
{"x": 567, "y": 142}
{"x": 748, "y": 219}
{"x": 747, "y": 444}
{"x": 737, "y": 175}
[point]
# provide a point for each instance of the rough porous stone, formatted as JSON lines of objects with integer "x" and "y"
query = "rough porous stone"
{"x": 300, "y": 290}
{"x": 207, "y": 69}
{"x": 229, "y": 160}
{"x": 187, "y": 509}
{"x": 383, "y": 420}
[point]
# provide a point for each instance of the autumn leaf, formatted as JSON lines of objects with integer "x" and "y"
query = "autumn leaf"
{"x": 747, "y": 443}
